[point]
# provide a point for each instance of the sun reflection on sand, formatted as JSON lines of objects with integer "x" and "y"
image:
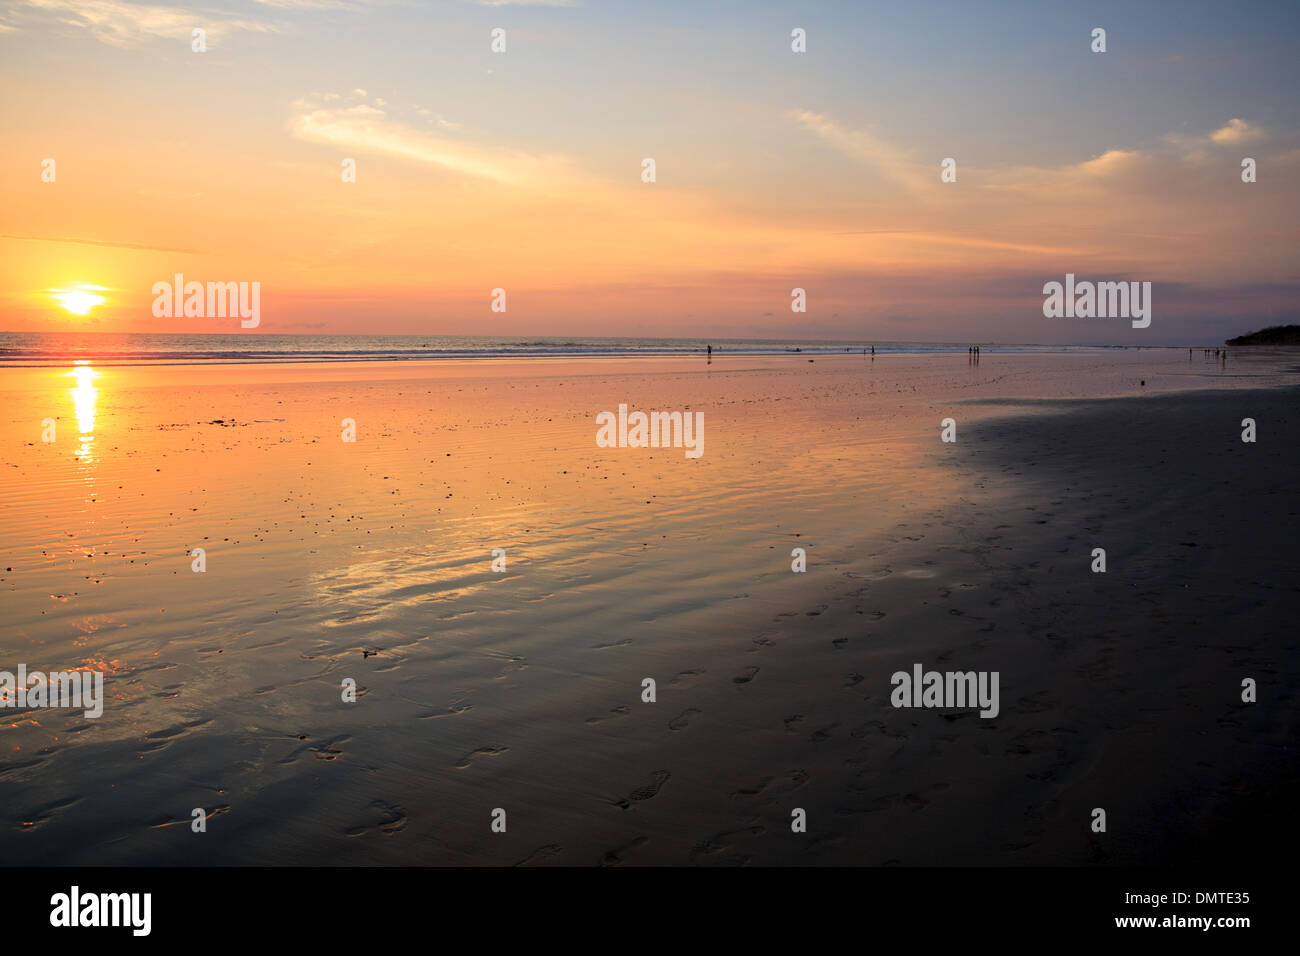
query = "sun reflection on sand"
{"x": 83, "y": 400}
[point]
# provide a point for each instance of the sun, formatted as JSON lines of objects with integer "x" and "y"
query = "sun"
{"x": 79, "y": 300}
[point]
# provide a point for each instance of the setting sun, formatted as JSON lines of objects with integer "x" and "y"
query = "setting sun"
{"x": 78, "y": 301}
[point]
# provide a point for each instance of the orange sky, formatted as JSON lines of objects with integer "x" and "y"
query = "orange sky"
{"x": 225, "y": 166}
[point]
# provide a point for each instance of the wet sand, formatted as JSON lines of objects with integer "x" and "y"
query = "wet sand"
{"x": 522, "y": 690}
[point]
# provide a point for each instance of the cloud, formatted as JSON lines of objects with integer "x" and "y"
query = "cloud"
{"x": 363, "y": 128}
{"x": 525, "y": 3}
{"x": 864, "y": 146}
{"x": 975, "y": 242}
{"x": 1236, "y": 132}
{"x": 100, "y": 242}
{"x": 1113, "y": 162}
{"x": 311, "y": 4}
{"x": 1199, "y": 148}
{"x": 427, "y": 113}
{"x": 127, "y": 24}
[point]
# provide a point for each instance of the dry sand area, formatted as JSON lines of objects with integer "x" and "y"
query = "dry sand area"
{"x": 521, "y": 690}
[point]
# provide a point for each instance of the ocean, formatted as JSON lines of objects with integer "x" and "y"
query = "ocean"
{"x": 109, "y": 348}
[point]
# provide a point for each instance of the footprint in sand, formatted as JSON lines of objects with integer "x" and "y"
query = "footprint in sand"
{"x": 839, "y": 642}
{"x": 685, "y": 676}
{"x": 791, "y": 721}
{"x": 721, "y": 843}
{"x": 512, "y": 664}
{"x": 541, "y": 854}
{"x": 745, "y": 676}
{"x": 876, "y": 805}
{"x": 622, "y": 710}
{"x": 794, "y": 779}
{"x": 918, "y": 802}
{"x": 873, "y": 727}
{"x": 457, "y": 708}
{"x": 644, "y": 793}
{"x": 175, "y": 730}
{"x": 682, "y": 720}
{"x": 817, "y": 736}
{"x": 612, "y": 857}
{"x": 743, "y": 792}
{"x": 325, "y": 751}
{"x": 479, "y": 752}
{"x": 385, "y": 817}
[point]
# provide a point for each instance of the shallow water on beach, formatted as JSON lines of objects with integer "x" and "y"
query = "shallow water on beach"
{"x": 372, "y": 560}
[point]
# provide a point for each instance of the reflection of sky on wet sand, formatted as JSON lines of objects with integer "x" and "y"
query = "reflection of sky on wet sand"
{"x": 373, "y": 560}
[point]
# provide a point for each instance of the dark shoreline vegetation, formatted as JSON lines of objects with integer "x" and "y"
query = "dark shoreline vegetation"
{"x": 1273, "y": 335}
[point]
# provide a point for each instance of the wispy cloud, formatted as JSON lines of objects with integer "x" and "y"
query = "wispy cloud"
{"x": 103, "y": 242}
{"x": 364, "y": 128}
{"x": 951, "y": 239}
{"x": 864, "y": 146}
{"x": 128, "y": 24}
{"x": 525, "y": 3}
{"x": 312, "y": 4}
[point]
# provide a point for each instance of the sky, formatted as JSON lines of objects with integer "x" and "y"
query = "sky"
{"x": 522, "y": 170}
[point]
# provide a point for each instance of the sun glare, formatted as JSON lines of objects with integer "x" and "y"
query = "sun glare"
{"x": 78, "y": 301}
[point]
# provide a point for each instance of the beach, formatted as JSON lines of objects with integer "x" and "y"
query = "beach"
{"x": 521, "y": 689}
